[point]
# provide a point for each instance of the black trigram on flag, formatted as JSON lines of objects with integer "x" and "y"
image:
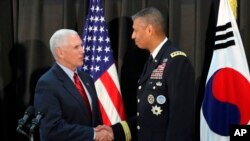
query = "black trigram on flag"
{"x": 224, "y": 36}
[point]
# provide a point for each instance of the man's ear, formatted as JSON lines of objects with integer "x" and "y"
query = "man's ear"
{"x": 150, "y": 29}
{"x": 59, "y": 52}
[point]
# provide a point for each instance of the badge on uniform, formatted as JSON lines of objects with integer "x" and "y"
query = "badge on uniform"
{"x": 161, "y": 99}
{"x": 159, "y": 84}
{"x": 165, "y": 60}
{"x": 151, "y": 99}
{"x": 177, "y": 53}
{"x": 156, "y": 110}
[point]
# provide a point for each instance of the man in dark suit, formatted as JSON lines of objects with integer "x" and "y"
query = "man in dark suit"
{"x": 165, "y": 96}
{"x": 69, "y": 114}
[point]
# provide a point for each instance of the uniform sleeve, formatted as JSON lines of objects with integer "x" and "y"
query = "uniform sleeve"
{"x": 180, "y": 79}
{"x": 125, "y": 130}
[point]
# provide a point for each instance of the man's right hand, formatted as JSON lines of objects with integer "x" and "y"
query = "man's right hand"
{"x": 104, "y": 133}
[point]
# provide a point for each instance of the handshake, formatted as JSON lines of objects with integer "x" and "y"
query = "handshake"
{"x": 104, "y": 133}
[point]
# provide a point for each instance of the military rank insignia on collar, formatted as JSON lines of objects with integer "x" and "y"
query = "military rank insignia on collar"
{"x": 177, "y": 53}
{"x": 165, "y": 60}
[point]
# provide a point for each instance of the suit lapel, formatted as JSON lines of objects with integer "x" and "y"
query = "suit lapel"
{"x": 86, "y": 83}
{"x": 69, "y": 85}
{"x": 91, "y": 92}
{"x": 88, "y": 87}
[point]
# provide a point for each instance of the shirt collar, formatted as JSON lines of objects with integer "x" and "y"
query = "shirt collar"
{"x": 69, "y": 72}
{"x": 158, "y": 48}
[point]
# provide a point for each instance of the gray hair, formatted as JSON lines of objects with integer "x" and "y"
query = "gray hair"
{"x": 152, "y": 16}
{"x": 59, "y": 39}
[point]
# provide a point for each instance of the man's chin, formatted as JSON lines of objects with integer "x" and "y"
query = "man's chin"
{"x": 80, "y": 65}
{"x": 139, "y": 46}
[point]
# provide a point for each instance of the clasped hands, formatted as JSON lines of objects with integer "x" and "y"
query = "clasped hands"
{"x": 104, "y": 133}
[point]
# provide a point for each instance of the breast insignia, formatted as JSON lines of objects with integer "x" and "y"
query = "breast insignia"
{"x": 151, "y": 99}
{"x": 156, "y": 110}
{"x": 161, "y": 99}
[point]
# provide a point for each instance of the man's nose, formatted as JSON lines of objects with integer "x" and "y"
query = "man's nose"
{"x": 133, "y": 35}
{"x": 82, "y": 50}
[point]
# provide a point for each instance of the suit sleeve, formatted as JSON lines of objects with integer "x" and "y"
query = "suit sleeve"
{"x": 53, "y": 126}
{"x": 180, "y": 79}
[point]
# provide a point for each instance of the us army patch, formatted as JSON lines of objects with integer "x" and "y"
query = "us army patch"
{"x": 177, "y": 53}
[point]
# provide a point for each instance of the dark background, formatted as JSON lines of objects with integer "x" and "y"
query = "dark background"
{"x": 27, "y": 25}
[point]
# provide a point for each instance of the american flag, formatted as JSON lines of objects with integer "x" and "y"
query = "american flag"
{"x": 99, "y": 63}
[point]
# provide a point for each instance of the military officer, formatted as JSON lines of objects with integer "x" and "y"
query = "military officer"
{"x": 165, "y": 97}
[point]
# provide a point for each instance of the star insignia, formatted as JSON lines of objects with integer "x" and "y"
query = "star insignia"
{"x": 156, "y": 110}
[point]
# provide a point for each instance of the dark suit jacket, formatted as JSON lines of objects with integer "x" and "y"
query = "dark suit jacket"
{"x": 65, "y": 111}
{"x": 165, "y": 99}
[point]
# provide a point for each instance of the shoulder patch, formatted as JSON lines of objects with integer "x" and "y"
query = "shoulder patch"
{"x": 176, "y": 53}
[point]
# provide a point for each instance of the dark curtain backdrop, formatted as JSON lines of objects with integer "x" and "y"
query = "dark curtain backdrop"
{"x": 26, "y": 26}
